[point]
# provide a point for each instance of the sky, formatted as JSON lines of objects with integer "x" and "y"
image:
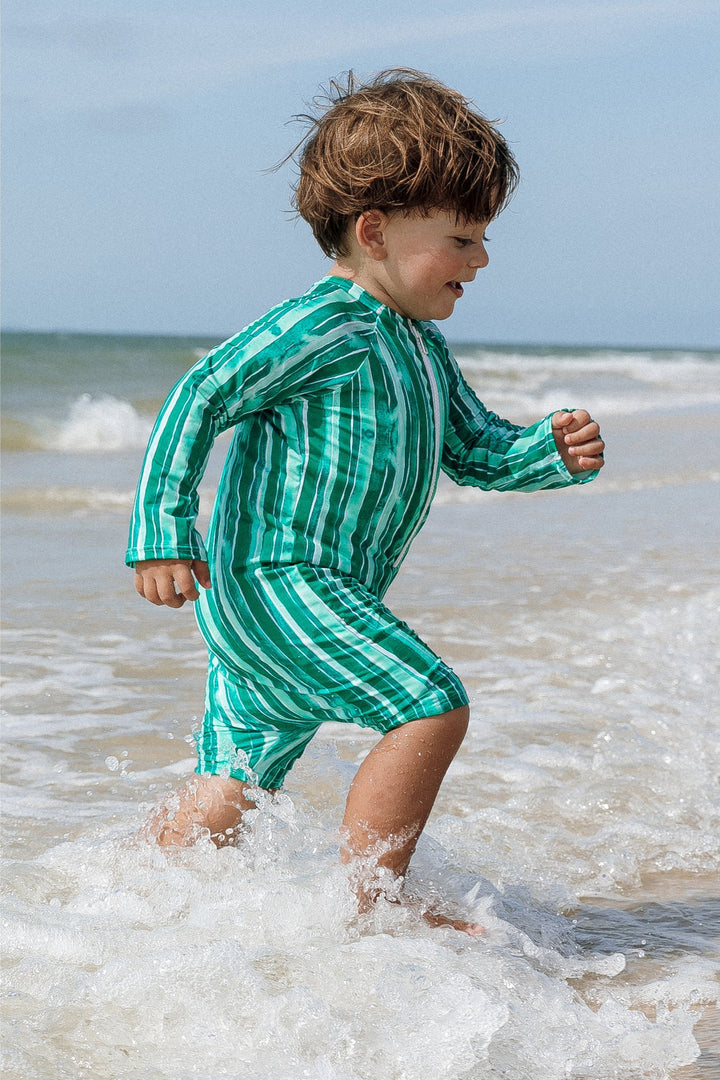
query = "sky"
{"x": 139, "y": 139}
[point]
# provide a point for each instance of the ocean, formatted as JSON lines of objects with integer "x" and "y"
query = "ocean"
{"x": 580, "y": 822}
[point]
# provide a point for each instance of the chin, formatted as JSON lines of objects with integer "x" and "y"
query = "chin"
{"x": 444, "y": 315}
{"x": 434, "y": 312}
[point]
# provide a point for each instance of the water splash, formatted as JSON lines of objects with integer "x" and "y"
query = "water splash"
{"x": 100, "y": 423}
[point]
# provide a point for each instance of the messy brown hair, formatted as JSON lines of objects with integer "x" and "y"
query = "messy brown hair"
{"x": 401, "y": 142}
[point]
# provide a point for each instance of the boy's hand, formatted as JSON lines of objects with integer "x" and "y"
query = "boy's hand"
{"x": 577, "y": 437}
{"x": 171, "y": 581}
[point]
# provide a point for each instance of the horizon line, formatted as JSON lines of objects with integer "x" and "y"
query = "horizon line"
{"x": 456, "y": 342}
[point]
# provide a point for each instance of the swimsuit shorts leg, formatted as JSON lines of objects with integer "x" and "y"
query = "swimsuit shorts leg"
{"x": 292, "y": 647}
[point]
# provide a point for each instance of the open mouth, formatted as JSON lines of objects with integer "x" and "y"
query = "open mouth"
{"x": 456, "y": 287}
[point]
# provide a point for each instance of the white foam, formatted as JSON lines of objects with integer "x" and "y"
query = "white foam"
{"x": 609, "y": 383}
{"x": 100, "y": 423}
{"x": 252, "y": 962}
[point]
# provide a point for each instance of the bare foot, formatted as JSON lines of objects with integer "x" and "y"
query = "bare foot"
{"x": 391, "y": 890}
{"x": 471, "y": 928}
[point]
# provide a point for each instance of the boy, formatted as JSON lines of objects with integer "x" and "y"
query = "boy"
{"x": 346, "y": 405}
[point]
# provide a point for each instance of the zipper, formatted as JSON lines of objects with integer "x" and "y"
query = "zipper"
{"x": 437, "y": 449}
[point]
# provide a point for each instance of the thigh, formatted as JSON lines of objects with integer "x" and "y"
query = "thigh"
{"x": 328, "y": 646}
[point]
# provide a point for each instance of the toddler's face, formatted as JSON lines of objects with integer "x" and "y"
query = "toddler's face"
{"x": 427, "y": 261}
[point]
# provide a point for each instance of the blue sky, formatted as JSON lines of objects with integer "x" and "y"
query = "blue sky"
{"x": 137, "y": 139}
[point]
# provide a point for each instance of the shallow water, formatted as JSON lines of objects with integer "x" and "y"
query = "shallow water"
{"x": 579, "y": 822}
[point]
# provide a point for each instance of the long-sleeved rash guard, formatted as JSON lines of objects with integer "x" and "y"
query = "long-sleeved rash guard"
{"x": 344, "y": 412}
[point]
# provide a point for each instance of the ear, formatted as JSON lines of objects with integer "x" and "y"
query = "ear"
{"x": 370, "y": 233}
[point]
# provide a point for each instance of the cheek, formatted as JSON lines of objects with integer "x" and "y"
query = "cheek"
{"x": 439, "y": 269}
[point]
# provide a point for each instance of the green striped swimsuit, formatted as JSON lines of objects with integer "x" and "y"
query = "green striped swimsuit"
{"x": 344, "y": 414}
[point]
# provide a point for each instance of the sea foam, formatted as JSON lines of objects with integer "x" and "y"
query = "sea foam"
{"x": 100, "y": 423}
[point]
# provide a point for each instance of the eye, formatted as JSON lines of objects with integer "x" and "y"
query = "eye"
{"x": 466, "y": 241}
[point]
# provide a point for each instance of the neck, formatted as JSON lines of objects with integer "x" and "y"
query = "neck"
{"x": 351, "y": 271}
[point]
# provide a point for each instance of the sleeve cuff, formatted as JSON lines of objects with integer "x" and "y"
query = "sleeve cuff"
{"x": 134, "y": 555}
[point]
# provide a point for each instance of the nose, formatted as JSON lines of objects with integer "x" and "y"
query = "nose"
{"x": 479, "y": 259}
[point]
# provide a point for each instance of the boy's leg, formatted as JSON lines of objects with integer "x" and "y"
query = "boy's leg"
{"x": 389, "y": 800}
{"x": 394, "y": 790}
{"x": 205, "y": 802}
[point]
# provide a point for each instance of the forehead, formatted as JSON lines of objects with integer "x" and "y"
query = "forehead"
{"x": 438, "y": 221}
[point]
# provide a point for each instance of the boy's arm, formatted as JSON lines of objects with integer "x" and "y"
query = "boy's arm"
{"x": 483, "y": 450}
{"x": 162, "y": 525}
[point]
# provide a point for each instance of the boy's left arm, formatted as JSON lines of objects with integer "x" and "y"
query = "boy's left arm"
{"x": 483, "y": 450}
